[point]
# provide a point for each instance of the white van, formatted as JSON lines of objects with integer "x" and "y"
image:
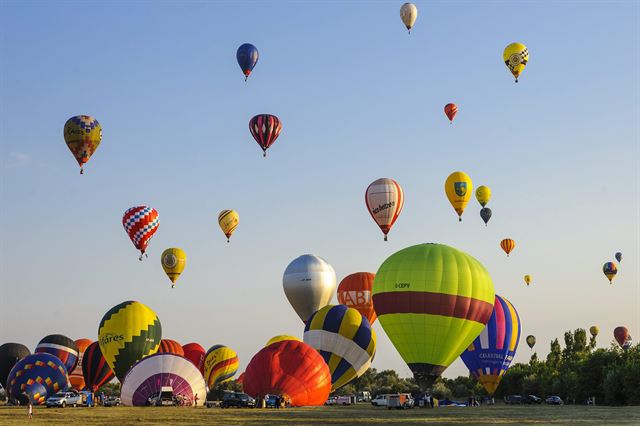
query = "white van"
{"x": 381, "y": 400}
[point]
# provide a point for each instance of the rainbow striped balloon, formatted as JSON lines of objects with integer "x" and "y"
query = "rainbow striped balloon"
{"x": 220, "y": 364}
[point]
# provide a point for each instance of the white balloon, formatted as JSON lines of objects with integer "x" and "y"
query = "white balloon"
{"x": 408, "y": 14}
{"x": 309, "y": 283}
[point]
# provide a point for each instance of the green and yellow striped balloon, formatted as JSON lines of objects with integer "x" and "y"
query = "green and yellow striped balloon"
{"x": 432, "y": 301}
{"x": 129, "y": 332}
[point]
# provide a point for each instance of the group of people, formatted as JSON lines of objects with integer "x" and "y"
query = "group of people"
{"x": 275, "y": 401}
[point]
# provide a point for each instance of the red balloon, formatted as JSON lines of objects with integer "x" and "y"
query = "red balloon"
{"x": 354, "y": 291}
{"x": 95, "y": 369}
{"x": 168, "y": 346}
{"x": 621, "y": 334}
{"x": 292, "y": 369}
{"x": 265, "y": 129}
{"x": 451, "y": 110}
{"x": 141, "y": 223}
{"x": 195, "y": 353}
{"x": 240, "y": 378}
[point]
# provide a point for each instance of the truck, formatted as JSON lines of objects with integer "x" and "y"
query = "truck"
{"x": 399, "y": 401}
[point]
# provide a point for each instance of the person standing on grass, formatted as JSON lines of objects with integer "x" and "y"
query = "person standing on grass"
{"x": 195, "y": 400}
{"x": 30, "y": 411}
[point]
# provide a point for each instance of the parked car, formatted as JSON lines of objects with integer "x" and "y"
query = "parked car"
{"x": 62, "y": 399}
{"x": 238, "y": 400}
{"x": 380, "y": 400}
{"x": 554, "y": 400}
{"x": 112, "y": 401}
{"x": 531, "y": 399}
{"x": 513, "y": 399}
{"x": 333, "y": 400}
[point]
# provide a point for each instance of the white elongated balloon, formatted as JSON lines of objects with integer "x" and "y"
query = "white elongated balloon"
{"x": 408, "y": 14}
{"x": 309, "y": 283}
{"x": 150, "y": 374}
{"x": 385, "y": 199}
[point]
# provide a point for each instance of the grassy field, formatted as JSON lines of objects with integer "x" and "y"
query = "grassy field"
{"x": 355, "y": 415}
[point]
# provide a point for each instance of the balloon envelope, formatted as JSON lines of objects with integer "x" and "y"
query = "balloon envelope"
{"x": 228, "y": 221}
{"x": 195, "y": 353}
{"x": 141, "y": 223}
{"x": 168, "y": 346}
{"x": 610, "y": 270}
{"x": 10, "y": 354}
{"x": 62, "y": 347}
{"x": 432, "y": 301}
{"x": 516, "y": 57}
{"x": 621, "y": 335}
{"x": 531, "y": 341}
{"x": 483, "y": 195}
{"x": 485, "y": 214}
{"x": 265, "y": 129}
{"x": 408, "y": 14}
{"x": 458, "y": 188}
{"x": 247, "y": 56}
{"x": 76, "y": 378}
{"x": 507, "y": 245}
{"x": 354, "y": 291}
{"x": 83, "y": 135}
{"x": 173, "y": 261}
{"x": 37, "y": 376}
{"x": 450, "y": 110}
{"x": 220, "y": 364}
{"x": 95, "y": 370}
{"x": 384, "y": 199}
{"x": 619, "y": 257}
{"x": 527, "y": 279}
{"x": 289, "y": 368}
{"x": 148, "y": 376}
{"x": 594, "y": 330}
{"x": 309, "y": 283}
{"x": 281, "y": 338}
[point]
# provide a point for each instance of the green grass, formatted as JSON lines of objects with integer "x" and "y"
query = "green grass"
{"x": 361, "y": 414}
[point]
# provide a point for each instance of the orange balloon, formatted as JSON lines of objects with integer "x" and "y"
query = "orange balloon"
{"x": 169, "y": 346}
{"x": 451, "y": 110}
{"x": 76, "y": 378}
{"x": 507, "y": 245}
{"x": 354, "y": 291}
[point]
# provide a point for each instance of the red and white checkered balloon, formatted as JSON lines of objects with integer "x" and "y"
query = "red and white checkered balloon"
{"x": 141, "y": 223}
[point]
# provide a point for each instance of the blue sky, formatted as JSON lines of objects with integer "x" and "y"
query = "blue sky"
{"x": 359, "y": 99}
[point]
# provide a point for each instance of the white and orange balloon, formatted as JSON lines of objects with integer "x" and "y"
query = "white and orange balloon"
{"x": 385, "y": 199}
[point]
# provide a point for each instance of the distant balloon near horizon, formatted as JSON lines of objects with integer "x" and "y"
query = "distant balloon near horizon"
{"x": 516, "y": 58}
{"x": 450, "y": 110}
{"x": 594, "y": 330}
{"x": 355, "y": 291}
{"x": 140, "y": 223}
{"x": 621, "y": 335}
{"x": 458, "y": 188}
{"x": 82, "y": 134}
{"x": 610, "y": 270}
{"x": 483, "y": 195}
{"x": 10, "y": 354}
{"x": 309, "y": 283}
{"x": 485, "y": 214}
{"x": 247, "y": 56}
{"x": 507, "y": 245}
{"x": 619, "y": 257}
{"x": 531, "y": 341}
{"x": 173, "y": 261}
{"x": 62, "y": 347}
{"x": 265, "y": 129}
{"x": 228, "y": 220}
{"x": 527, "y": 279}
{"x": 408, "y": 15}
{"x": 384, "y": 198}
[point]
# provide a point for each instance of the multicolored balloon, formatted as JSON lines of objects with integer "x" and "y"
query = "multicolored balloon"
{"x": 82, "y": 134}
{"x": 148, "y": 376}
{"x": 309, "y": 283}
{"x": 289, "y": 368}
{"x": 621, "y": 335}
{"x": 62, "y": 347}
{"x": 127, "y": 333}
{"x": 458, "y": 188}
{"x": 354, "y": 291}
{"x": 195, "y": 353}
{"x": 450, "y": 110}
{"x": 408, "y": 14}
{"x": 281, "y": 338}
{"x": 491, "y": 353}
{"x": 141, "y": 223}
{"x": 10, "y": 354}
{"x": 516, "y": 57}
{"x": 531, "y": 341}
{"x": 228, "y": 221}
{"x": 220, "y": 364}
{"x": 527, "y": 279}
{"x": 507, "y": 245}
{"x": 610, "y": 270}
{"x": 247, "y": 56}
{"x": 95, "y": 370}
{"x": 483, "y": 195}
{"x": 384, "y": 198}
{"x": 168, "y": 346}
{"x": 594, "y": 330}
{"x": 619, "y": 257}
{"x": 76, "y": 378}
{"x": 36, "y": 377}
{"x": 265, "y": 129}
{"x": 485, "y": 214}
{"x": 432, "y": 301}
{"x": 173, "y": 261}
{"x": 345, "y": 339}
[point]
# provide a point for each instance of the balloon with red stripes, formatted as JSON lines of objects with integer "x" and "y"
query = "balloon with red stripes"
{"x": 141, "y": 223}
{"x": 265, "y": 129}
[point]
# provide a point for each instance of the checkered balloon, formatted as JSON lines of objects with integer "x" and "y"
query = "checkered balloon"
{"x": 141, "y": 223}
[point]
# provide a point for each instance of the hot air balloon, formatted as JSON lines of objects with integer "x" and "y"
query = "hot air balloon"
{"x": 240, "y": 378}
{"x": 195, "y": 353}
{"x": 594, "y": 330}
{"x": 485, "y": 214}
{"x": 610, "y": 270}
{"x": 150, "y": 375}
{"x": 76, "y": 378}
{"x": 450, "y": 110}
{"x": 621, "y": 334}
{"x": 432, "y": 301}
{"x": 95, "y": 369}
{"x": 220, "y": 364}
{"x": 173, "y": 261}
{"x": 491, "y": 353}
{"x": 483, "y": 195}
{"x": 127, "y": 333}
{"x": 141, "y": 223}
{"x": 531, "y": 341}
{"x": 36, "y": 377}
{"x": 309, "y": 283}
{"x": 354, "y": 291}
{"x": 168, "y": 346}
{"x": 384, "y": 199}
{"x": 247, "y": 56}
{"x": 619, "y": 257}
{"x": 628, "y": 343}
{"x": 228, "y": 221}
{"x": 507, "y": 245}
{"x": 527, "y": 279}
{"x": 280, "y": 338}
{"x": 60, "y": 346}
{"x": 10, "y": 354}
{"x": 345, "y": 339}
{"x": 458, "y": 188}
{"x": 265, "y": 129}
{"x": 516, "y": 57}
{"x": 408, "y": 14}
{"x": 291, "y": 369}
{"x": 82, "y": 134}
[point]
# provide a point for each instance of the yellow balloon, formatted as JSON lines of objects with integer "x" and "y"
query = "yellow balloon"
{"x": 527, "y": 279}
{"x": 458, "y": 188}
{"x": 280, "y": 338}
{"x": 173, "y": 262}
{"x": 516, "y": 57}
{"x": 228, "y": 221}
{"x": 408, "y": 14}
{"x": 483, "y": 195}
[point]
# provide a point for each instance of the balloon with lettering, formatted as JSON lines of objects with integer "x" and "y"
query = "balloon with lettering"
{"x": 621, "y": 334}
{"x": 531, "y": 341}
{"x": 516, "y": 57}
{"x": 76, "y": 378}
{"x": 82, "y": 134}
{"x": 247, "y": 56}
{"x": 483, "y": 195}
{"x": 507, "y": 245}
{"x": 594, "y": 330}
{"x": 309, "y": 283}
{"x": 619, "y": 257}
{"x": 95, "y": 370}
{"x": 354, "y": 291}
{"x": 265, "y": 129}
{"x": 228, "y": 221}
{"x": 408, "y": 14}
{"x": 220, "y": 365}
{"x": 458, "y": 188}
{"x": 491, "y": 353}
{"x": 35, "y": 378}
{"x": 432, "y": 300}
{"x": 10, "y": 354}
{"x": 485, "y": 214}
{"x": 62, "y": 347}
{"x": 173, "y": 261}
{"x": 450, "y": 110}
{"x": 527, "y": 279}
{"x": 141, "y": 223}
{"x": 610, "y": 270}
{"x": 384, "y": 198}
{"x": 195, "y": 353}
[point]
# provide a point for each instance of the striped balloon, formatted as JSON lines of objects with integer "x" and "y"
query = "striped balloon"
{"x": 141, "y": 223}
{"x": 220, "y": 364}
{"x": 345, "y": 339}
{"x": 450, "y": 110}
{"x": 168, "y": 346}
{"x": 265, "y": 129}
{"x": 491, "y": 353}
{"x": 62, "y": 347}
{"x": 95, "y": 369}
{"x": 37, "y": 377}
{"x": 384, "y": 198}
{"x": 76, "y": 378}
{"x": 507, "y": 245}
{"x": 228, "y": 221}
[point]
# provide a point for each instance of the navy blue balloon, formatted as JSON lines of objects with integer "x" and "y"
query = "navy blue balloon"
{"x": 247, "y": 56}
{"x": 619, "y": 257}
{"x": 485, "y": 214}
